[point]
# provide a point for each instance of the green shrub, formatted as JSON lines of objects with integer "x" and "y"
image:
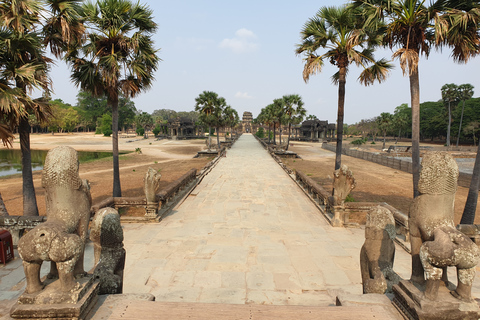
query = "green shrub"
{"x": 107, "y": 132}
{"x": 260, "y": 133}
{"x": 358, "y": 142}
{"x": 156, "y": 130}
{"x": 349, "y": 198}
{"x": 140, "y": 131}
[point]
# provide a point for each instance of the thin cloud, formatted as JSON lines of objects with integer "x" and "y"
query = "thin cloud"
{"x": 242, "y": 95}
{"x": 243, "y": 42}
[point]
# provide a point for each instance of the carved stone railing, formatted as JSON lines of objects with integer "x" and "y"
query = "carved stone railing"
{"x": 163, "y": 198}
{"x": 341, "y": 215}
{"x": 17, "y": 225}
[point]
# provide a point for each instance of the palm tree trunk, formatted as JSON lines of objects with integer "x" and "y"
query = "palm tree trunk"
{"x": 218, "y": 138}
{"x": 209, "y": 138}
{"x": 117, "y": 190}
{"x": 288, "y": 138}
{"x": 384, "y": 138}
{"x": 449, "y": 124}
{"x": 460, "y": 126}
{"x": 468, "y": 215}
{"x": 29, "y": 199}
{"x": 274, "y": 135}
{"x": 415, "y": 102}
{"x": 340, "y": 113}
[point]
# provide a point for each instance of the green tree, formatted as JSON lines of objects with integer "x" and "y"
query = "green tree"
{"x": 210, "y": 106}
{"x": 145, "y": 121}
{"x": 449, "y": 96}
{"x": 384, "y": 122}
{"x": 401, "y": 119}
{"x": 106, "y": 124}
{"x": 341, "y": 32}
{"x": 231, "y": 118}
{"x": 414, "y": 29}
{"x": 118, "y": 57}
{"x": 465, "y": 92}
{"x": 28, "y": 27}
{"x": 294, "y": 112}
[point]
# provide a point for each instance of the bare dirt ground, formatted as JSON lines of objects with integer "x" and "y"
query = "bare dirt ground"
{"x": 375, "y": 183}
{"x": 173, "y": 158}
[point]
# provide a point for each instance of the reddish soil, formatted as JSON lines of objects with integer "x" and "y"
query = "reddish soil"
{"x": 375, "y": 183}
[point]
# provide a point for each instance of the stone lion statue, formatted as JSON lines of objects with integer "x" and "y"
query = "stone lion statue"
{"x": 61, "y": 239}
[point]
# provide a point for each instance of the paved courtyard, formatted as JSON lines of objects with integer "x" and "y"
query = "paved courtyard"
{"x": 246, "y": 235}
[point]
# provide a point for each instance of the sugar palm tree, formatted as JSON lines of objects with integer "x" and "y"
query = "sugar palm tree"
{"x": 211, "y": 107}
{"x": 294, "y": 112}
{"x": 24, "y": 37}
{"x": 465, "y": 92}
{"x": 339, "y": 31}
{"x": 415, "y": 29}
{"x": 118, "y": 57}
{"x": 278, "y": 112}
{"x": 449, "y": 96}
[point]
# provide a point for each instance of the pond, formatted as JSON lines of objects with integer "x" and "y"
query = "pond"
{"x": 11, "y": 159}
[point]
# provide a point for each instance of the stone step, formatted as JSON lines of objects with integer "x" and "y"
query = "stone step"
{"x": 147, "y": 310}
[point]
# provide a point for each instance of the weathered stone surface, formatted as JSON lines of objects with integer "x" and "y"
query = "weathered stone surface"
{"x": 343, "y": 184}
{"x": 378, "y": 252}
{"x": 151, "y": 184}
{"x": 450, "y": 247}
{"x": 78, "y": 305}
{"x": 433, "y": 208}
{"x": 436, "y": 245}
{"x": 411, "y": 301}
{"x": 60, "y": 240}
{"x": 107, "y": 236}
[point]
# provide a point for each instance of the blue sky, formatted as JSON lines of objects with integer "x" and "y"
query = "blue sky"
{"x": 245, "y": 51}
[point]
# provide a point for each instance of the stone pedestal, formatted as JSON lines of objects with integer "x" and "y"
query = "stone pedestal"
{"x": 409, "y": 300}
{"x": 51, "y": 303}
{"x": 151, "y": 209}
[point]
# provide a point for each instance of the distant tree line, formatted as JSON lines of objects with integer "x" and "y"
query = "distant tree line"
{"x": 462, "y": 110}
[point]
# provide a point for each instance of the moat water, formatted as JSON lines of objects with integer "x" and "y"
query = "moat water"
{"x": 11, "y": 159}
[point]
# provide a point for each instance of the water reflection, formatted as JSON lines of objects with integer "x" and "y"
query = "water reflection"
{"x": 11, "y": 159}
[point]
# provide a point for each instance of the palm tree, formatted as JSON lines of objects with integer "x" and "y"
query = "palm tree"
{"x": 294, "y": 112}
{"x": 205, "y": 104}
{"x": 311, "y": 117}
{"x": 339, "y": 31}
{"x": 278, "y": 111}
{"x": 384, "y": 122}
{"x": 24, "y": 67}
{"x": 465, "y": 92}
{"x": 210, "y": 106}
{"x": 415, "y": 28}
{"x": 231, "y": 118}
{"x": 118, "y": 57}
{"x": 449, "y": 95}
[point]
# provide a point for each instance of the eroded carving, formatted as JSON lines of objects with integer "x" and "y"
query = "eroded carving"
{"x": 436, "y": 244}
{"x": 378, "y": 252}
{"x": 151, "y": 184}
{"x": 450, "y": 247}
{"x": 62, "y": 238}
{"x": 107, "y": 236}
{"x": 343, "y": 184}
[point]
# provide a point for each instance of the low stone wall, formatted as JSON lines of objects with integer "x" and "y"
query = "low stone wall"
{"x": 397, "y": 164}
{"x": 17, "y": 225}
{"x": 163, "y": 198}
{"x": 351, "y": 211}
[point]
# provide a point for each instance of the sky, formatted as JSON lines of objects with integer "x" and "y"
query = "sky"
{"x": 245, "y": 52}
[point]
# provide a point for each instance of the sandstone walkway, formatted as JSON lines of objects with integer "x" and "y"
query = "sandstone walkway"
{"x": 246, "y": 234}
